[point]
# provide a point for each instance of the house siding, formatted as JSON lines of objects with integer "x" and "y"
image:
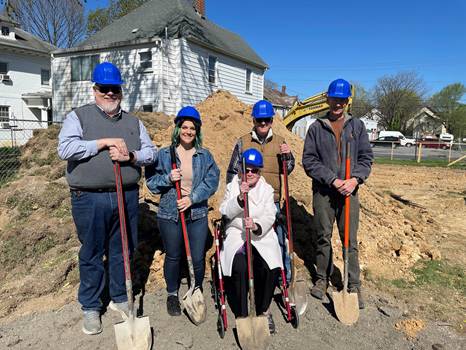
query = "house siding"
{"x": 230, "y": 75}
{"x": 141, "y": 86}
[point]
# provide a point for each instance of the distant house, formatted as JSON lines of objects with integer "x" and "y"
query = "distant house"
{"x": 280, "y": 100}
{"x": 25, "y": 86}
{"x": 371, "y": 121}
{"x": 170, "y": 55}
{"x": 425, "y": 123}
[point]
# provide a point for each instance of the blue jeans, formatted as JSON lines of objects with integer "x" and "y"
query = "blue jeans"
{"x": 97, "y": 222}
{"x": 282, "y": 234}
{"x": 172, "y": 237}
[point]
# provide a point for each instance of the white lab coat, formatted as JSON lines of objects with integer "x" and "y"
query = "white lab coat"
{"x": 262, "y": 209}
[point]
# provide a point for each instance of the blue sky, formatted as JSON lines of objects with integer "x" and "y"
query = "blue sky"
{"x": 309, "y": 43}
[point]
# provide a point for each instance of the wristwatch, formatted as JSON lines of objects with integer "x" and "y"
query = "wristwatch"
{"x": 360, "y": 181}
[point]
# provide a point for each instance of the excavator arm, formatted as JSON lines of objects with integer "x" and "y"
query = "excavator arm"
{"x": 309, "y": 106}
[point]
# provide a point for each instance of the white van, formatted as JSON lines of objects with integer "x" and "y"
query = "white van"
{"x": 404, "y": 141}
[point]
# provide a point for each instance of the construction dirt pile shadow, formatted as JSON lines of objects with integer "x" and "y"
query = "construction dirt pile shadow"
{"x": 38, "y": 243}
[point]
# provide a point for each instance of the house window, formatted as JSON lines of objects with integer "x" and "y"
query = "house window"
{"x": 147, "y": 108}
{"x": 3, "y": 68}
{"x": 82, "y": 67}
{"x": 145, "y": 58}
{"x": 4, "y": 114}
{"x": 45, "y": 76}
{"x": 5, "y": 31}
{"x": 248, "y": 80}
{"x": 212, "y": 66}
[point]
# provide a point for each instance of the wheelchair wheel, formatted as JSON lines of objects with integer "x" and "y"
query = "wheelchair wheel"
{"x": 220, "y": 326}
{"x": 294, "y": 317}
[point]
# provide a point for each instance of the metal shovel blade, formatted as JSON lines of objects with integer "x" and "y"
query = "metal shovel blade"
{"x": 253, "y": 332}
{"x": 346, "y": 306}
{"x": 133, "y": 334}
{"x": 298, "y": 297}
{"x": 193, "y": 303}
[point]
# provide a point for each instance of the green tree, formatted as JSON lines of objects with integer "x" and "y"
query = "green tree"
{"x": 449, "y": 109}
{"x": 102, "y": 17}
{"x": 398, "y": 97}
{"x": 362, "y": 103}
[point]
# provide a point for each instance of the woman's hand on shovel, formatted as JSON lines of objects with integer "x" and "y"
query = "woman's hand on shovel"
{"x": 183, "y": 203}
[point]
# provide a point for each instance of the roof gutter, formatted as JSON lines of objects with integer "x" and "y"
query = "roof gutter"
{"x": 106, "y": 46}
{"x": 212, "y": 47}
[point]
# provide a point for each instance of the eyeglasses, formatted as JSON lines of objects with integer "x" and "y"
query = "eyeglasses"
{"x": 264, "y": 120}
{"x": 252, "y": 170}
{"x": 105, "y": 89}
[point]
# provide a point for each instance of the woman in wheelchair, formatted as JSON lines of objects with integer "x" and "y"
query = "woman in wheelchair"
{"x": 266, "y": 252}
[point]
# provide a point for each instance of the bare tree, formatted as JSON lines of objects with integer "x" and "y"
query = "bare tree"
{"x": 60, "y": 22}
{"x": 398, "y": 97}
{"x": 362, "y": 103}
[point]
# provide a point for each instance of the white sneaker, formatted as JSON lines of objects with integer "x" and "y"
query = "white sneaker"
{"x": 91, "y": 322}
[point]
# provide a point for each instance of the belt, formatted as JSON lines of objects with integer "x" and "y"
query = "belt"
{"x": 105, "y": 189}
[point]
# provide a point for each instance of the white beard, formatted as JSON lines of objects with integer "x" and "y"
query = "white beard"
{"x": 111, "y": 107}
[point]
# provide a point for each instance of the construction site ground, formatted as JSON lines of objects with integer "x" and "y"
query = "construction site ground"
{"x": 411, "y": 239}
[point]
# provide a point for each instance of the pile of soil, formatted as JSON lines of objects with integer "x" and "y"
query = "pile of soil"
{"x": 38, "y": 244}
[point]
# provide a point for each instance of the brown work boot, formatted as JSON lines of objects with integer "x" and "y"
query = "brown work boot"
{"x": 361, "y": 303}
{"x": 319, "y": 289}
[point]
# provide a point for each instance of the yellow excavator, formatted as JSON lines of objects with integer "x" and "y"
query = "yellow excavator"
{"x": 311, "y": 105}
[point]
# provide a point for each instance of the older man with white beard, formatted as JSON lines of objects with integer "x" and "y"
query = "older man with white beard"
{"x": 92, "y": 138}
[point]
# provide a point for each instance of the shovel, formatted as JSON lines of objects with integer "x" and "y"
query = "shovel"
{"x": 134, "y": 333}
{"x": 346, "y": 304}
{"x": 253, "y": 331}
{"x": 193, "y": 300}
{"x": 297, "y": 289}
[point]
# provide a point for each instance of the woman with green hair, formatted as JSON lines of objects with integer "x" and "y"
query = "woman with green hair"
{"x": 199, "y": 176}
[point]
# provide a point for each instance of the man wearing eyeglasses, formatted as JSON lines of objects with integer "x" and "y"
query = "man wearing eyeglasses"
{"x": 92, "y": 138}
{"x": 272, "y": 147}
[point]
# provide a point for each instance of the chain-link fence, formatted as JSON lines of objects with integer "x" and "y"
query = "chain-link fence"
{"x": 13, "y": 135}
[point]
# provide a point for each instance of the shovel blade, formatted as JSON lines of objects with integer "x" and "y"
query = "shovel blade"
{"x": 346, "y": 307}
{"x": 193, "y": 303}
{"x": 133, "y": 334}
{"x": 298, "y": 297}
{"x": 253, "y": 333}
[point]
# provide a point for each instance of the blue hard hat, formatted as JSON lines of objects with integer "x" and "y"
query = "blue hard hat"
{"x": 339, "y": 88}
{"x": 253, "y": 158}
{"x": 188, "y": 112}
{"x": 107, "y": 73}
{"x": 262, "y": 109}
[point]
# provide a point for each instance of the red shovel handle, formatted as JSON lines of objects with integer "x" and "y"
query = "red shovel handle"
{"x": 182, "y": 218}
{"x": 347, "y": 198}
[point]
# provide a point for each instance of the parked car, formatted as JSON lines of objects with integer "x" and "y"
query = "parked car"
{"x": 429, "y": 142}
{"x": 404, "y": 140}
{"x": 386, "y": 141}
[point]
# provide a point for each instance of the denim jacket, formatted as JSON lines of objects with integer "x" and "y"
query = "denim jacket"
{"x": 205, "y": 183}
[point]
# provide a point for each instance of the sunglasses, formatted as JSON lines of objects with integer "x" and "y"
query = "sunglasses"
{"x": 264, "y": 120}
{"x": 252, "y": 170}
{"x": 105, "y": 89}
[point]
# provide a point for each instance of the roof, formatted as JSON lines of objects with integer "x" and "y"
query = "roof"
{"x": 181, "y": 20}
{"x": 27, "y": 41}
{"x": 277, "y": 98}
{"x": 4, "y": 18}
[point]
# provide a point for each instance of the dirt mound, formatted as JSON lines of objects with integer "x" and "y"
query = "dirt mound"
{"x": 38, "y": 244}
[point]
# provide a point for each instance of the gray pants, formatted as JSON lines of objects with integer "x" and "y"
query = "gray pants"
{"x": 329, "y": 206}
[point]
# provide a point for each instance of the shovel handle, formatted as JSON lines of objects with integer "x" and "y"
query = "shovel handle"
{"x": 252, "y": 304}
{"x": 124, "y": 236}
{"x": 347, "y": 198}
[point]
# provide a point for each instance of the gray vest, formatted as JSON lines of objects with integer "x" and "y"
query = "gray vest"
{"x": 97, "y": 172}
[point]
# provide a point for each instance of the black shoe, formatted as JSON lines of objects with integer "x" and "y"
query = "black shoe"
{"x": 361, "y": 303}
{"x": 271, "y": 324}
{"x": 319, "y": 289}
{"x": 173, "y": 305}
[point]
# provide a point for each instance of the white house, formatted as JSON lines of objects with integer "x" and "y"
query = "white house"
{"x": 170, "y": 55}
{"x": 426, "y": 123}
{"x": 25, "y": 87}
